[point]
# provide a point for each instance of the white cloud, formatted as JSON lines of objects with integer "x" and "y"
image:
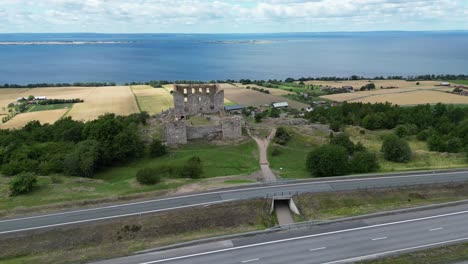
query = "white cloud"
{"x": 229, "y": 15}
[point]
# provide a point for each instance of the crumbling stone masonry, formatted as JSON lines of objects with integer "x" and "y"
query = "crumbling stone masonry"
{"x": 192, "y": 99}
{"x": 199, "y": 99}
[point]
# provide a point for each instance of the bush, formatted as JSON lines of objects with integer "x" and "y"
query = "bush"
{"x": 344, "y": 141}
{"x": 363, "y": 162}
{"x": 22, "y": 183}
{"x": 335, "y": 126}
{"x": 275, "y": 152}
{"x": 148, "y": 176}
{"x": 157, "y": 149}
{"x": 396, "y": 149}
{"x": 193, "y": 169}
{"x": 282, "y": 136}
{"x": 328, "y": 160}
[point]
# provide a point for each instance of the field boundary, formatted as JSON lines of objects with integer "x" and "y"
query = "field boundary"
{"x": 136, "y": 98}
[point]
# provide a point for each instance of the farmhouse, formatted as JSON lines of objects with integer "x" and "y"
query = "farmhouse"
{"x": 444, "y": 84}
{"x": 280, "y": 105}
{"x": 234, "y": 108}
{"x": 199, "y": 114}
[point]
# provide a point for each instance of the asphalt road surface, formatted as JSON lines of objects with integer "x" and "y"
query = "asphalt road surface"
{"x": 277, "y": 189}
{"x": 342, "y": 243}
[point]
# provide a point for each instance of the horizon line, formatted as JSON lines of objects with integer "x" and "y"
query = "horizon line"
{"x": 246, "y": 33}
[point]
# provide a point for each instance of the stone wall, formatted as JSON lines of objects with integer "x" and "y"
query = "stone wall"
{"x": 204, "y": 132}
{"x": 192, "y": 99}
{"x": 176, "y": 133}
{"x": 232, "y": 127}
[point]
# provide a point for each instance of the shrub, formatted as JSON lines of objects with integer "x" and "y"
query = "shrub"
{"x": 344, "y": 141}
{"x": 328, "y": 160}
{"x": 157, "y": 149}
{"x": 22, "y": 183}
{"x": 363, "y": 162}
{"x": 282, "y": 136}
{"x": 396, "y": 149}
{"x": 148, "y": 176}
{"x": 193, "y": 169}
{"x": 335, "y": 126}
{"x": 275, "y": 152}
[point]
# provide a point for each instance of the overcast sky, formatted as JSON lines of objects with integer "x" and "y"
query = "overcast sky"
{"x": 227, "y": 16}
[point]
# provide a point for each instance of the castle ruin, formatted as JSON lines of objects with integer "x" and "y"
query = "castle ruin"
{"x": 199, "y": 114}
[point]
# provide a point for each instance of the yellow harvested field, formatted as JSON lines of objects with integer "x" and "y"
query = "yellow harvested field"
{"x": 45, "y": 117}
{"x": 9, "y": 95}
{"x": 153, "y": 100}
{"x": 417, "y": 97}
{"x": 62, "y": 92}
{"x": 378, "y": 83}
{"x": 254, "y": 98}
{"x": 101, "y": 100}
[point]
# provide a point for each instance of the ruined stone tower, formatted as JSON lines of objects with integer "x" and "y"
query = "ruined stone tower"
{"x": 193, "y": 99}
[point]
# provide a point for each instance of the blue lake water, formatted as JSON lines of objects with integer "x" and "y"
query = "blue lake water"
{"x": 144, "y": 57}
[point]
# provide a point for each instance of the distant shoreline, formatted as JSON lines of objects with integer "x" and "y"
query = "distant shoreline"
{"x": 14, "y": 43}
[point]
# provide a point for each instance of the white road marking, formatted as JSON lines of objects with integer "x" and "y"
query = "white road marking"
{"x": 436, "y": 229}
{"x": 250, "y": 260}
{"x": 377, "y": 255}
{"x": 379, "y": 238}
{"x": 108, "y": 217}
{"x": 308, "y": 236}
{"x": 234, "y": 191}
{"x": 315, "y": 249}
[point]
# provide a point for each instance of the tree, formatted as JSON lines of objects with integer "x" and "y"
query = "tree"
{"x": 22, "y": 183}
{"x": 157, "y": 148}
{"x": 84, "y": 159}
{"x": 328, "y": 160}
{"x": 364, "y": 162}
{"x": 396, "y": 149}
{"x": 148, "y": 176}
{"x": 31, "y": 97}
{"x": 343, "y": 141}
{"x": 193, "y": 169}
{"x": 282, "y": 136}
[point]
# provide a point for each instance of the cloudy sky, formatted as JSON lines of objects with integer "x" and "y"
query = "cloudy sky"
{"x": 226, "y": 16}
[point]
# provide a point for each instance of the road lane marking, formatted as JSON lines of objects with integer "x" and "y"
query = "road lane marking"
{"x": 305, "y": 237}
{"x": 381, "y": 254}
{"x": 316, "y": 249}
{"x": 436, "y": 229}
{"x": 105, "y": 218}
{"x": 379, "y": 238}
{"x": 250, "y": 260}
{"x": 236, "y": 191}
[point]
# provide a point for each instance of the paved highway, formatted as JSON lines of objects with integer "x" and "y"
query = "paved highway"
{"x": 345, "y": 243}
{"x": 329, "y": 185}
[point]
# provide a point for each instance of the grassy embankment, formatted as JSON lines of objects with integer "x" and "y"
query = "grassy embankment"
{"x": 441, "y": 255}
{"x": 120, "y": 237}
{"x": 112, "y": 183}
{"x": 293, "y": 156}
{"x": 327, "y": 206}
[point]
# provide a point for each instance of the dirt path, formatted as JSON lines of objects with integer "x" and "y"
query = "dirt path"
{"x": 268, "y": 175}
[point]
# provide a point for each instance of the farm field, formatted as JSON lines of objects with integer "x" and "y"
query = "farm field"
{"x": 116, "y": 99}
{"x": 273, "y": 91}
{"x": 45, "y": 117}
{"x": 402, "y": 96}
{"x": 401, "y": 84}
{"x": 9, "y": 95}
{"x": 152, "y": 100}
{"x": 254, "y": 98}
{"x": 37, "y": 108}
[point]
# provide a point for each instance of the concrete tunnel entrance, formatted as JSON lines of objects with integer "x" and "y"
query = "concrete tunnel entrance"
{"x": 283, "y": 206}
